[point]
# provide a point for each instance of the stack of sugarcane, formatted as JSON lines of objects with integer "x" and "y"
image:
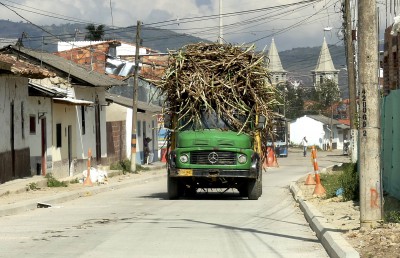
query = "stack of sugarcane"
{"x": 231, "y": 80}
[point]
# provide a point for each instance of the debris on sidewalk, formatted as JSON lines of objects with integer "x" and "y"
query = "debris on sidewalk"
{"x": 96, "y": 175}
{"x": 43, "y": 205}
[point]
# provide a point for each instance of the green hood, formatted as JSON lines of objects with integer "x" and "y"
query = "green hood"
{"x": 213, "y": 138}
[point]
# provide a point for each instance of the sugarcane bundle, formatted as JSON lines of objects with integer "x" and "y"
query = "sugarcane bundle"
{"x": 233, "y": 81}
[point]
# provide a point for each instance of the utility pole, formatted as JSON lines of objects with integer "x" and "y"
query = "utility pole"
{"x": 220, "y": 23}
{"x": 135, "y": 100}
{"x": 369, "y": 130}
{"x": 351, "y": 81}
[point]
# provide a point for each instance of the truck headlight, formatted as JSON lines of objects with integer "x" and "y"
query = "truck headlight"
{"x": 184, "y": 158}
{"x": 242, "y": 159}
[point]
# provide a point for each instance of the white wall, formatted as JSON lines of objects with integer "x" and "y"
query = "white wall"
{"x": 305, "y": 126}
{"x": 88, "y": 140}
{"x": 13, "y": 89}
{"x": 315, "y": 132}
{"x": 43, "y": 106}
{"x": 151, "y": 132}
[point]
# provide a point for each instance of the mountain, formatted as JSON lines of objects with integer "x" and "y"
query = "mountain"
{"x": 298, "y": 62}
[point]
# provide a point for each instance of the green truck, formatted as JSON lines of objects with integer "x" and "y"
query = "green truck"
{"x": 218, "y": 105}
{"x": 212, "y": 155}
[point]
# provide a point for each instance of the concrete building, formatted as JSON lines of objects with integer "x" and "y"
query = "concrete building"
{"x": 317, "y": 129}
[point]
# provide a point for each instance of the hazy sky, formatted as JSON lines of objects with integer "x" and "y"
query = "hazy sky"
{"x": 292, "y": 23}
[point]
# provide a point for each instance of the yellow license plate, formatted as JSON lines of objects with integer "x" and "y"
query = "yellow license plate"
{"x": 185, "y": 172}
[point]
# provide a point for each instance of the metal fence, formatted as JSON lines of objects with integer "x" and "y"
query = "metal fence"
{"x": 391, "y": 143}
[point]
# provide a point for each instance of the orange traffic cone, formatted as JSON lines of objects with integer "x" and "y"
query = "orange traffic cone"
{"x": 88, "y": 180}
{"x": 310, "y": 180}
{"x": 319, "y": 189}
{"x": 271, "y": 158}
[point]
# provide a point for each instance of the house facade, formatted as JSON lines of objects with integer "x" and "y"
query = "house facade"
{"x": 119, "y": 127}
{"x": 117, "y": 59}
{"x": 66, "y": 115}
{"x": 14, "y": 109}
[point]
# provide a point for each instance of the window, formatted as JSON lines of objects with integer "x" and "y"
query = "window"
{"x": 32, "y": 124}
{"x": 83, "y": 120}
{"x": 58, "y": 135}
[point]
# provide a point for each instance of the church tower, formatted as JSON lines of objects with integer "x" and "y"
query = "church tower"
{"x": 325, "y": 68}
{"x": 278, "y": 74}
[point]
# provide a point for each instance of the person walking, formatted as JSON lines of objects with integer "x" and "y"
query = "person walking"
{"x": 304, "y": 143}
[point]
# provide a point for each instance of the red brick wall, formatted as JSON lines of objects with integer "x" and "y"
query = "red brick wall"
{"x": 116, "y": 141}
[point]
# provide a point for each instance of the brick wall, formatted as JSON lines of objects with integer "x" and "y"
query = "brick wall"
{"x": 116, "y": 141}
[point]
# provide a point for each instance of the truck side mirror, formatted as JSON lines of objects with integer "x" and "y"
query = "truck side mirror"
{"x": 261, "y": 122}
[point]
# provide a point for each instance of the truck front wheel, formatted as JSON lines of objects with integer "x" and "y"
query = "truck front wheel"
{"x": 174, "y": 188}
{"x": 254, "y": 187}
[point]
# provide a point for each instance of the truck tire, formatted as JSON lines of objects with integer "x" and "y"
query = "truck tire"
{"x": 254, "y": 187}
{"x": 173, "y": 188}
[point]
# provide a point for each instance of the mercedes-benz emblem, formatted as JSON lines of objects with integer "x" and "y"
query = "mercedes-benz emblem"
{"x": 213, "y": 157}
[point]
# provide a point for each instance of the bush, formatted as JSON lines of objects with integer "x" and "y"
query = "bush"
{"x": 392, "y": 216}
{"x": 345, "y": 177}
{"x": 331, "y": 184}
{"x": 52, "y": 182}
{"x": 349, "y": 181}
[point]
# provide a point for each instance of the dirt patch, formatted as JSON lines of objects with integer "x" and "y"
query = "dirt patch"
{"x": 383, "y": 241}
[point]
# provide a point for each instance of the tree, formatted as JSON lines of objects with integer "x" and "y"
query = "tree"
{"x": 94, "y": 33}
{"x": 325, "y": 95}
{"x": 291, "y": 99}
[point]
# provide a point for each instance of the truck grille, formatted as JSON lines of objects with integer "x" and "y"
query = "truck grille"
{"x": 213, "y": 158}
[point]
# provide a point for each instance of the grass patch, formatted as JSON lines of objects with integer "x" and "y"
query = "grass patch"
{"x": 32, "y": 187}
{"x": 125, "y": 166}
{"x": 52, "y": 182}
{"x": 74, "y": 181}
{"x": 346, "y": 178}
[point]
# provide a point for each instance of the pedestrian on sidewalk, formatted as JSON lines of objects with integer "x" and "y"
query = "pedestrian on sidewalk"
{"x": 304, "y": 143}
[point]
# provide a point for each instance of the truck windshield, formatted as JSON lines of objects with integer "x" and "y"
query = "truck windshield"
{"x": 208, "y": 120}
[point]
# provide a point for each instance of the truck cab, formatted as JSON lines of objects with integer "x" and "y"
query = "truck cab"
{"x": 210, "y": 154}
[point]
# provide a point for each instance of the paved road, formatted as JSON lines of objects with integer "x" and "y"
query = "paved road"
{"x": 139, "y": 221}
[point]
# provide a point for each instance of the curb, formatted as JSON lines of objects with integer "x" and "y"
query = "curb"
{"x": 12, "y": 209}
{"x": 332, "y": 240}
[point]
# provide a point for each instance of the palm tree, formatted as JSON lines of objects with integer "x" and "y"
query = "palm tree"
{"x": 94, "y": 33}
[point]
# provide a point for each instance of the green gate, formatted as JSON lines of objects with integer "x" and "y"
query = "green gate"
{"x": 391, "y": 143}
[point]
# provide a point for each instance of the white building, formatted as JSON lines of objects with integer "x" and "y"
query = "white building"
{"x": 317, "y": 129}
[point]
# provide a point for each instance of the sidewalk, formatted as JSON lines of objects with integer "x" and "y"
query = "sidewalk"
{"x": 17, "y": 196}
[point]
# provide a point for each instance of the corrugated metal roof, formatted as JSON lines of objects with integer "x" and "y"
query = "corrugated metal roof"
{"x": 127, "y": 102}
{"x": 47, "y": 90}
{"x": 67, "y": 67}
{"x": 324, "y": 119}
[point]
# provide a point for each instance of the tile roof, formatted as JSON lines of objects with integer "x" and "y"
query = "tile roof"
{"x": 61, "y": 65}
{"x": 10, "y": 64}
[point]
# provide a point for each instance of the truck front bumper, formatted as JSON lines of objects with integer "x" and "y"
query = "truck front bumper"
{"x": 207, "y": 172}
